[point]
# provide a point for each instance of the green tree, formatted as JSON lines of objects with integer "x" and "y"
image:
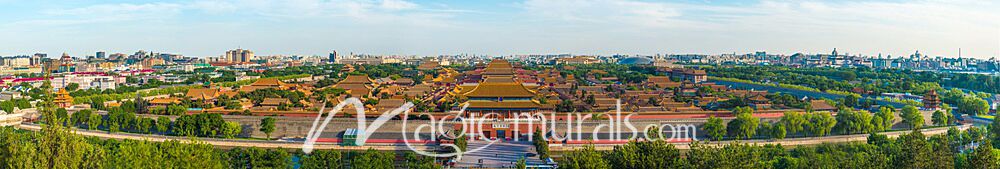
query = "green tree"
{"x": 851, "y": 100}
{"x": 462, "y": 142}
{"x": 942, "y": 155}
{"x": 267, "y": 126}
{"x": 714, "y": 128}
{"x": 541, "y": 144}
{"x": 994, "y": 131}
{"x": 973, "y": 106}
{"x": 852, "y": 122}
{"x": 95, "y": 121}
{"x": 586, "y": 158}
{"x": 887, "y": 115}
{"x": 162, "y": 124}
{"x": 81, "y": 117}
{"x": 820, "y": 124}
{"x": 72, "y": 86}
{"x": 176, "y": 110}
{"x": 62, "y": 114}
{"x": 793, "y": 122}
{"x": 915, "y": 152}
{"x": 327, "y": 159}
{"x": 521, "y": 163}
{"x": 911, "y": 115}
{"x": 254, "y": 157}
{"x": 983, "y": 157}
{"x": 653, "y": 133}
{"x": 646, "y": 154}
{"x": 778, "y": 132}
{"x": 416, "y": 161}
{"x": 231, "y": 129}
{"x": 372, "y": 159}
{"x": 145, "y": 125}
{"x": 744, "y": 126}
{"x": 939, "y": 118}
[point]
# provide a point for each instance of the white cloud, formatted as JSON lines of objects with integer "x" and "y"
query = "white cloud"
{"x": 117, "y": 9}
{"x": 102, "y": 13}
{"x": 397, "y": 4}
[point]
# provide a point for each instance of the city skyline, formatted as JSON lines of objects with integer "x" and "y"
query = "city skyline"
{"x": 430, "y": 28}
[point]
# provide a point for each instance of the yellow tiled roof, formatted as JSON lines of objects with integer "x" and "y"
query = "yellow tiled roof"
{"x": 503, "y": 104}
{"x": 500, "y": 90}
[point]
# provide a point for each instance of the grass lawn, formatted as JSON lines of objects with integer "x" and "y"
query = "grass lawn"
{"x": 985, "y": 116}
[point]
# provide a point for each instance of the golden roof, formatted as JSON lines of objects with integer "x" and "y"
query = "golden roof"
{"x": 503, "y": 104}
{"x": 203, "y": 93}
{"x": 499, "y": 67}
{"x": 428, "y": 65}
{"x": 499, "y": 63}
{"x": 63, "y": 97}
{"x": 355, "y": 89}
{"x": 270, "y": 82}
{"x": 274, "y": 101}
{"x": 499, "y": 79}
{"x": 388, "y": 104}
{"x": 357, "y": 79}
{"x": 169, "y": 100}
{"x": 500, "y": 90}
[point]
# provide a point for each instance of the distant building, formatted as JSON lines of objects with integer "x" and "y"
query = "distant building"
{"x": 690, "y": 75}
{"x": 333, "y": 57}
{"x": 238, "y": 56}
{"x": 10, "y": 118}
{"x": 87, "y": 80}
{"x": 37, "y": 58}
{"x": 62, "y": 99}
{"x": 578, "y": 60}
{"x": 636, "y": 61}
{"x": 101, "y": 54}
{"x": 931, "y": 100}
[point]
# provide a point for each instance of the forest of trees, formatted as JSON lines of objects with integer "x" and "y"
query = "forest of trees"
{"x": 913, "y": 150}
{"x": 56, "y": 147}
{"x": 877, "y": 81}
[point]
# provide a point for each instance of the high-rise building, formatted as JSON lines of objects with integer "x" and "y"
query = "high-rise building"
{"x": 238, "y": 56}
{"x": 333, "y": 57}
{"x": 101, "y": 55}
{"x": 37, "y": 58}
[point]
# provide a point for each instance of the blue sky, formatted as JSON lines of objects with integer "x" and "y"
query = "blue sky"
{"x": 433, "y": 27}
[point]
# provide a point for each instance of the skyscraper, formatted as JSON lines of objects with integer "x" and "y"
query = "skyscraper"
{"x": 333, "y": 57}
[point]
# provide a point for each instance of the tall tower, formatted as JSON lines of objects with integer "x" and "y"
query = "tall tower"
{"x": 333, "y": 57}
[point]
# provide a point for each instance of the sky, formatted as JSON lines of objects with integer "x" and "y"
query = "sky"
{"x": 491, "y": 27}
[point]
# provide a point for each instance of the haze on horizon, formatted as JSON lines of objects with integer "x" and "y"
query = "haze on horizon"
{"x": 491, "y": 27}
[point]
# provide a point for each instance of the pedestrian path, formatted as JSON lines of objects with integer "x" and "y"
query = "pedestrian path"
{"x": 498, "y": 155}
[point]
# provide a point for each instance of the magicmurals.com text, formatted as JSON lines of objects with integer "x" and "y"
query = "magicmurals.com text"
{"x": 617, "y": 127}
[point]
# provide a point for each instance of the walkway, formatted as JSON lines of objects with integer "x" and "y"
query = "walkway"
{"x": 498, "y": 155}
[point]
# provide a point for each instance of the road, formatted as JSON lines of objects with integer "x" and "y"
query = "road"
{"x": 498, "y": 155}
